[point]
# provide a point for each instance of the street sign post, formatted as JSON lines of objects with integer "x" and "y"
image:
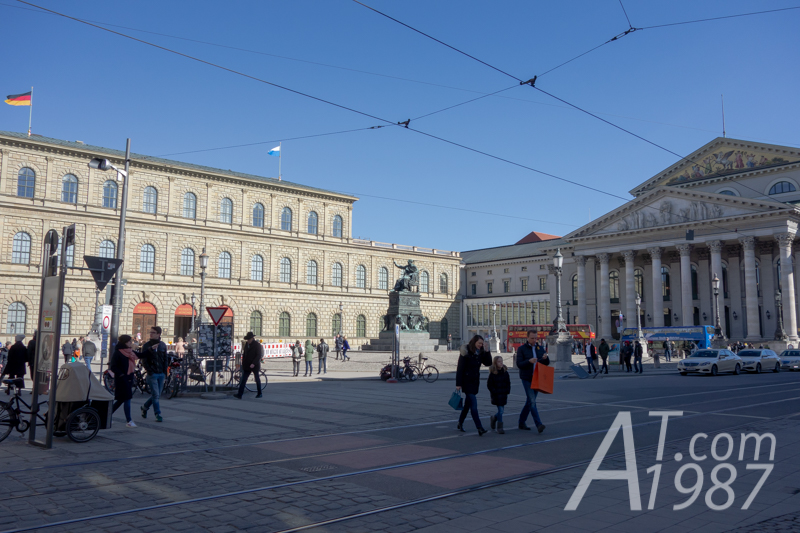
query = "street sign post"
{"x": 216, "y": 314}
{"x": 108, "y": 310}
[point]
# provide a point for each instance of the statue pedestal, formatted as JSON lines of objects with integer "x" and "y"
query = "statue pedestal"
{"x": 563, "y": 343}
{"x": 494, "y": 346}
{"x": 406, "y": 306}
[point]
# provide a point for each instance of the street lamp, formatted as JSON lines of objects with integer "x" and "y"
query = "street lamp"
{"x": 780, "y": 334}
{"x": 341, "y": 318}
{"x": 203, "y": 266}
{"x": 558, "y": 263}
{"x": 638, "y": 316}
{"x": 717, "y": 326}
{"x": 193, "y": 312}
{"x": 122, "y": 175}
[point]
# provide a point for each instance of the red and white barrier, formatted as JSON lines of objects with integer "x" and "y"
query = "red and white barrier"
{"x": 277, "y": 349}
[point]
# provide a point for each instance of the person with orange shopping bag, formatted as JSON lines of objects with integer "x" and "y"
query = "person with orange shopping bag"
{"x": 527, "y": 359}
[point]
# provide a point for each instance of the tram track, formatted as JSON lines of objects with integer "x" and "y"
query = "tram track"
{"x": 416, "y": 463}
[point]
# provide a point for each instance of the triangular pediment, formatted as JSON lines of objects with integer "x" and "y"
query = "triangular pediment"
{"x": 668, "y": 207}
{"x": 721, "y": 157}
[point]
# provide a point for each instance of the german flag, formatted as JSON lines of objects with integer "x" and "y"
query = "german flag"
{"x": 19, "y": 99}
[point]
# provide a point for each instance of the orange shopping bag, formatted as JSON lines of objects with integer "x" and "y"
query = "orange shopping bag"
{"x": 543, "y": 377}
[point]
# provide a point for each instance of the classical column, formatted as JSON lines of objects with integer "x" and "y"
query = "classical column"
{"x": 716, "y": 270}
{"x": 583, "y": 317}
{"x": 687, "y": 310}
{"x": 630, "y": 289}
{"x": 787, "y": 284}
{"x": 658, "y": 295}
{"x": 605, "y": 297}
{"x": 750, "y": 286}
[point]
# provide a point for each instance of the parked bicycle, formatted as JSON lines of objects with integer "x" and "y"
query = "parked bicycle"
{"x": 11, "y": 411}
{"x": 427, "y": 372}
{"x": 139, "y": 380}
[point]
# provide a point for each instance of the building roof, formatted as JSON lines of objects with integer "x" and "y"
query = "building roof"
{"x": 99, "y": 150}
{"x": 536, "y": 236}
{"x": 512, "y": 251}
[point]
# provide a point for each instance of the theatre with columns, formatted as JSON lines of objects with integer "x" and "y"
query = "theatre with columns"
{"x": 728, "y": 209}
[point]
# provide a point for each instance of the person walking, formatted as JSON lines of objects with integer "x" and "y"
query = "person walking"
{"x": 468, "y": 379}
{"x": 154, "y": 360}
{"x": 15, "y": 363}
{"x": 76, "y": 349}
{"x": 626, "y": 354}
{"x": 309, "y": 360}
{"x": 527, "y": 358}
{"x": 604, "y": 355}
{"x": 180, "y": 347}
{"x": 322, "y": 352}
{"x": 345, "y": 347}
{"x": 590, "y": 356}
{"x": 499, "y": 385}
{"x": 668, "y": 351}
{"x": 67, "y": 350}
{"x": 121, "y": 366}
{"x": 4, "y": 354}
{"x": 337, "y": 343}
{"x": 32, "y": 355}
{"x": 637, "y": 358}
{"x": 297, "y": 356}
{"x": 449, "y": 342}
{"x": 252, "y": 353}
{"x": 89, "y": 351}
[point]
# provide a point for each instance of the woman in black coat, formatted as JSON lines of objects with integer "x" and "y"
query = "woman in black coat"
{"x": 468, "y": 379}
{"x": 123, "y": 364}
{"x": 499, "y": 385}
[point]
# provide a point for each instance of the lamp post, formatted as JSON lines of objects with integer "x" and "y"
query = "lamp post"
{"x": 780, "y": 333}
{"x": 494, "y": 345}
{"x": 564, "y": 341}
{"x": 717, "y": 325}
{"x": 193, "y": 312}
{"x": 203, "y": 266}
{"x": 122, "y": 175}
{"x": 558, "y": 263}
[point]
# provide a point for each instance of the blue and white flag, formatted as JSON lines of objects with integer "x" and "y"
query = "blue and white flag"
{"x": 276, "y": 152}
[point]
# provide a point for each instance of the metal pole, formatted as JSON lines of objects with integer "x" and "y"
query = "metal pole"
{"x": 30, "y": 114}
{"x": 559, "y": 319}
{"x": 114, "y": 330}
{"x": 202, "y": 294}
{"x": 51, "y": 400}
{"x": 214, "y": 375}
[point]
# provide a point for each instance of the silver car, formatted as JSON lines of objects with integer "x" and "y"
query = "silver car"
{"x": 760, "y": 360}
{"x": 790, "y": 359}
{"x": 710, "y": 362}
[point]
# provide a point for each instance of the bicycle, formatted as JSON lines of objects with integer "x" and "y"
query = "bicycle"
{"x": 428, "y": 372}
{"x": 408, "y": 371}
{"x": 250, "y": 385}
{"x": 10, "y": 411}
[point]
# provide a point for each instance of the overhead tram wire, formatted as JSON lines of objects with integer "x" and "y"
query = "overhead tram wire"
{"x": 626, "y": 14}
{"x": 719, "y": 18}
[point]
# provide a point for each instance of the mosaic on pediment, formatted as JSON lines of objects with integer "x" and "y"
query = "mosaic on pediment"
{"x": 727, "y": 162}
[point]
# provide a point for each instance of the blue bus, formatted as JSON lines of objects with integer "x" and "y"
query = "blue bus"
{"x": 700, "y": 335}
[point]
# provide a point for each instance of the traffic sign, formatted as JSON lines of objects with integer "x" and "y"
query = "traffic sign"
{"x": 216, "y": 313}
{"x": 102, "y": 269}
{"x": 107, "y": 311}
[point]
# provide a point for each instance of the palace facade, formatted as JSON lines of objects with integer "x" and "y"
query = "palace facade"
{"x": 281, "y": 255}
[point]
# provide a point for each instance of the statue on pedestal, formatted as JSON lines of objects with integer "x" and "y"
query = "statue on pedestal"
{"x": 409, "y": 279}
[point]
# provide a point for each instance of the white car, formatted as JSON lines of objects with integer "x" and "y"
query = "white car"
{"x": 790, "y": 359}
{"x": 710, "y": 362}
{"x": 760, "y": 360}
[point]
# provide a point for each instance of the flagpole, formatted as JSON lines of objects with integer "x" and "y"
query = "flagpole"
{"x": 30, "y": 115}
{"x": 280, "y": 156}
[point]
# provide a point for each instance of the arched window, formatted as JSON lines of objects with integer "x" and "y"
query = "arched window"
{"x": 727, "y": 192}
{"x": 108, "y": 249}
{"x": 66, "y": 316}
{"x": 189, "y": 205}
{"x": 21, "y": 249}
{"x": 284, "y": 325}
{"x": 574, "y": 289}
{"x": 17, "y": 316}
{"x": 337, "y": 226}
{"x": 147, "y": 259}
{"x": 69, "y": 189}
{"x": 226, "y": 211}
{"x": 424, "y": 282}
{"x": 443, "y": 283}
{"x": 258, "y": 217}
{"x": 695, "y": 292}
{"x": 313, "y": 223}
{"x": 224, "y": 266}
{"x": 443, "y": 327}
{"x": 336, "y": 275}
{"x": 311, "y": 325}
{"x": 361, "y": 276}
{"x": 26, "y": 182}
{"x": 255, "y": 323}
{"x": 361, "y": 326}
{"x": 782, "y": 187}
{"x": 150, "y": 200}
{"x": 110, "y": 194}
{"x": 286, "y": 270}
{"x": 336, "y": 324}
{"x": 383, "y": 278}
{"x": 187, "y": 262}
{"x": 257, "y": 268}
{"x": 286, "y": 219}
{"x": 665, "y": 289}
{"x": 613, "y": 286}
{"x": 638, "y": 282}
{"x": 311, "y": 272}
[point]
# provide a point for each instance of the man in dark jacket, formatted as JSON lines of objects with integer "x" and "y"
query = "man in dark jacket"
{"x": 15, "y": 366}
{"x": 337, "y": 344}
{"x": 89, "y": 350}
{"x": 637, "y": 358}
{"x": 154, "y": 360}
{"x": 32, "y": 354}
{"x": 4, "y": 355}
{"x": 68, "y": 351}
{"x": 527, "y": 357}
{"x": 252, "y": 352}
{"x": 322, "y": 352}
{"x": 604, "y": 355}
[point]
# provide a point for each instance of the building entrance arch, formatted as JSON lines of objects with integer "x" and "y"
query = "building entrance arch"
{"x": 183, "y": 320}
{"x": 145, "y": 317}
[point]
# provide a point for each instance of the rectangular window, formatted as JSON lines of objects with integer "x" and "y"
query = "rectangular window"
{"x": 473, "y": 274}
{"x": 506, "y": 286}
{"x": 489, "y": 287}
{"x": 524, "y": 269}
{"x": 542, "y": 283}
{"x": 505, "y": 271}
{"x": 474, "y": 289}
{"x": 524, "y": 284}
{"x": 489, "y": 272}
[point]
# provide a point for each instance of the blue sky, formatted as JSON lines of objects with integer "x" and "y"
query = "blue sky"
{"x": 662, "y": 83}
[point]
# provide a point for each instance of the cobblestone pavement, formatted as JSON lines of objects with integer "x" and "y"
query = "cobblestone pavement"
{"x": 296, "y": 444}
